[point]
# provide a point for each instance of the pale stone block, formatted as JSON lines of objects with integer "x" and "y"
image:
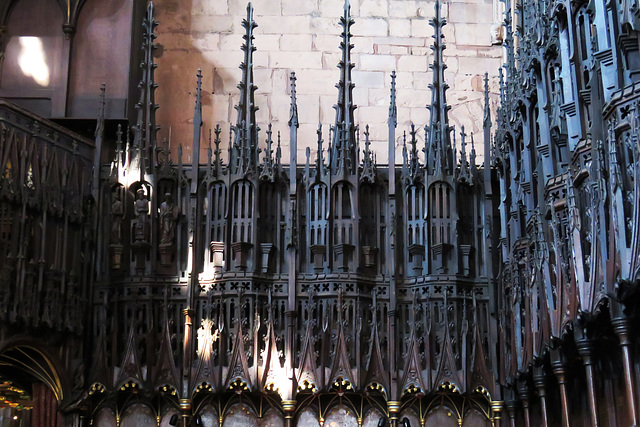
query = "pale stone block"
{"x": 298, "y": 7}
{"x": 307, "y": 137}
{"x": 262, "y": 78}
{"x": 295, "y": 60}
{"x": 280, "y": 107}
{"x": 452, "y": 64}
{"x": 399, "y": 27}
{"x": 420, "y": 116}
{"x": 403, "y": 80}
{"x": 384, "y": 49}
{"x": 210, "y": 7}
{"x": 207, "y": 42}
{"x": 317, "y": 82}
{"x": 230, "y": 42}
{"x": 325, "y": 43}
{"x": 420, "y": 28}
{"x": 479, "y": 65}
{"x": 473, "y": 34}
{"x": 403, "y": 8}
{"x": 371, "y": 27}
{"x": 267, "y": 42}
{"x": 262, "y": 115}
{"x": 280, "y": 83}
{"x": 295, "y": 42}
{"x": 369, "y": 79}
{"x": 362, "y": 44}
{"x": 226, "y": 79}
{"x": 449, "y": 33}
{"x": 374, "y": 8}
{"x": 470, "y": 12}
{"x": 412, "y": 63}
{"x": 327, "y": 112}
{"x": 335, "y": 8}
{"x": 422, "y": 80}
{"x": 308, "y": 108}
{"x": 360, "y": 96}
{"x": 260, "y": 7}
{"x": 330, "y": 60}
{"x": 377, "y": 62}
{"x": 374, "y": 116}
{"x": 379, "y": 97}
{"x": 413, "y": 98}
{"x": 400, "y": 41}
{"x": 292, "y": 25}
{"x": 322, "y": 25}
{"x": 211, "y": 24}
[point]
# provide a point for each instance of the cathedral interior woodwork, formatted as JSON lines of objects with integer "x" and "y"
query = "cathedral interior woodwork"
{"x": 473, "y": 279}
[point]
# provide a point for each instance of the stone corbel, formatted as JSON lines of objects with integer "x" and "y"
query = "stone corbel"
{"x": 242, "y": 251}
{"x": 342, "y": 256}
{"x": 266, "y": 249}
{"x": 217, "y": 248}
{"x": 317, "y": 254}
{"x": 416, "y": 256}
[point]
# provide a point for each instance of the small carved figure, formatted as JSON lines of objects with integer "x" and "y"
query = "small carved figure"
{"x": 168, "y": 217}
{"x": 141, "y": 233}
{"x": 117, "y": 213}
{"x": 497, "y": 34}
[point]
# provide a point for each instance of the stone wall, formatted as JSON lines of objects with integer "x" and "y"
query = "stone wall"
{"x": 303, "y": 36}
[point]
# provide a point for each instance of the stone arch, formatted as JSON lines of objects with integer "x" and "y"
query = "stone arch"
{"x": 273, "y": 418}
{"x": 474, "y": 418}
{"x": 341, "y": 416}
{"x": 240, "y": 415}
{"x": 411, "y": 416}
{"x": 209, "y": 417}
{"x": 85, "y": 74}
{"x": 307, "y": 418}
{"x": 105, "y": 418}
{"x": 34, "y": 30}
{"x": 372, "y": 418}
{"x": 38, "y": 365}
{"x": 441, "y": 416}
{"x": 138, "y": 415}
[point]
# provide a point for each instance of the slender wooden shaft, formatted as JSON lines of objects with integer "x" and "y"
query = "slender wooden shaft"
{"x": 585, "y": 349}
{"x": 539, "y": 379}
{"x": 621, "y": 327}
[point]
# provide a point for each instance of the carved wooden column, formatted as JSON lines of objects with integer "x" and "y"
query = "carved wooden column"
{"x": 394, "y": 412}
{"x": 585, "y": 349}
{"x": 496, "y": 410}
{"x": 540, "y": 381}
{"x": 558, "y": 366}
{"x": 525, "y": 395}
{"x": 289, "y": 407}
{"x": 512, "y": 406}
{"x": 621, "y": 328}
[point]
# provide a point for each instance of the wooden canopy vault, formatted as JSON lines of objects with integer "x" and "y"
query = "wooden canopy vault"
{"x": 336, "y": 283}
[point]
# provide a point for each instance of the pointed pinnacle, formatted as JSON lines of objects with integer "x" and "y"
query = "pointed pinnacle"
{"x": 293, "y": 114}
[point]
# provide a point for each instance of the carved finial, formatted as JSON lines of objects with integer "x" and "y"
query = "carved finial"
{"x": 197, "y": 129}
{"x": 439, "y": 137}
{"x": 393, "y": 108}
{"x": 99, "y": 133}
{"x": 217, "y": 151}
{"x": 246, "y": 127}
{"x": 319, "y": 155}
{"x": 146, "y": 128}
{"x": 344, "y": 151}
{"x": 368, "y": 162}
{"x": 293, "y": 114}
{"x": 487, "y": 106}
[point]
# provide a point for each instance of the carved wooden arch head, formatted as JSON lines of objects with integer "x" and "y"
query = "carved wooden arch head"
{"x": 70, "y": 10}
